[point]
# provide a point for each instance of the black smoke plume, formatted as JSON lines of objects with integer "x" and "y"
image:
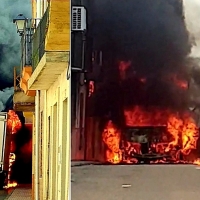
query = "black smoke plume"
{"x": 10, "y": 49}
{"x": 152, "y": 34}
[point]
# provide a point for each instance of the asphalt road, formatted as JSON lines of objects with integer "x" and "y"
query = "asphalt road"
{"x": 135, "y": 182}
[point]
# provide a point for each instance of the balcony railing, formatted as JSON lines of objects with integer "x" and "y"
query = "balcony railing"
{"x": 26, "y": 46}
{"x": 16, "y": 81}
{"x": 23, "y": 49}
{"x": 38, "y": 41}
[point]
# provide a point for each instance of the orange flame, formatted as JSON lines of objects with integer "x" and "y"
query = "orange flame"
{"x": 13, "y": 122}
{"x": 13, "y": 125}
{"x": 91, "y": 88}
{"x": 179, "y": 82}
{"x": 182, "y": 84}
{"x": 183, "y": 131}
{"x": 111, "y": 137}
{"x": 123, "y": 66}
{"x": 197, "y": 162}
{"x": 10, "y": 183}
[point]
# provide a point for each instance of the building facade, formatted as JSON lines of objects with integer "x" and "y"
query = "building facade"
{"x": 47, "y": 79}
{"x": 86, "y": 139}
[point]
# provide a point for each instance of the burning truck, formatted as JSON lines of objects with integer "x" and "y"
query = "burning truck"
{"x": 146, "y": 140}
{"x": 140, "y": 129}
{"x": 144, "y": 132}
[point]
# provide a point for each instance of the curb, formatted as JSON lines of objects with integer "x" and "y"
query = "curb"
{"x": 84, "y": 164}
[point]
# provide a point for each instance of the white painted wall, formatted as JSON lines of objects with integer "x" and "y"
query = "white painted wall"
{"x": 41, "y": 6}
{"x": 57, "y": 94}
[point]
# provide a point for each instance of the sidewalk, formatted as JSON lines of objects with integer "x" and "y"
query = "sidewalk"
{"x": 22, "y": 192}
{"x": 82, "y": 163}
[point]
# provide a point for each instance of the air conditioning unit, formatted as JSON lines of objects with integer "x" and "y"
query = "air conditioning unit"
{"x": 78, "y": 18}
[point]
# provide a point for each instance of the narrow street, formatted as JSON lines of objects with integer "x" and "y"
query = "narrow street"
{"x": 135, "y": 182}
{"x": 22, "y": 192}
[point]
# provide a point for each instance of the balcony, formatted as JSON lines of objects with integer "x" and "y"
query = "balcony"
{"x": 51, "y": 44}
{"x": 22, "y": 100}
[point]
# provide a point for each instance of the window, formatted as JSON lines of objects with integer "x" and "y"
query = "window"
{"x": 40, "y": 144}
{"x": 54, "y": 150}
{"x": 65, "y": 152}
{"x": 49, "y": 156}
{"x": 42, "y": 7}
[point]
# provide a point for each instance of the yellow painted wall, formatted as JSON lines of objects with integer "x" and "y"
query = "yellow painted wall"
{"x": 58, "y": 35}
{"x": 33, "y": 159}
{"x": 28, "y": 117}
{"x": 42, "y": 144}
{"x": 33, "y": 8}
{"x": 54, "y": 104}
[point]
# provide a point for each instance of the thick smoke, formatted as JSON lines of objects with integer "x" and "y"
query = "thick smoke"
{"x": 5, "y": 94}
{"x": 10, "y": 45}
{"x": 192, "y": 14}
{"x": 9, "y": 38}
{"x": 152, "y": 34}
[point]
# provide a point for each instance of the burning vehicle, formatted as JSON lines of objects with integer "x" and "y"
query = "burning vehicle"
{"x": 143, "y": 123}
{"x": 173, "y": 142}
{"x": 152, "y": 129}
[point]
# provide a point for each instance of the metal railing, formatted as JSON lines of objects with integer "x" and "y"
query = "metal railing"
{"x": 23, "y": 51}
{"x": 26, "y": 45}
{"x": 16, "y": 81}
{"x": 38, "y": 40}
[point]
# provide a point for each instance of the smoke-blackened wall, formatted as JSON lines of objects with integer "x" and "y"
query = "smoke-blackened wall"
{"x": 153, "y": 36}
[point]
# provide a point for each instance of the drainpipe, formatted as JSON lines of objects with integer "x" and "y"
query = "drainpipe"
{"x": 37, "y": 129}
{"x": 45, "y": 5}
{"x": 38, "y": 11}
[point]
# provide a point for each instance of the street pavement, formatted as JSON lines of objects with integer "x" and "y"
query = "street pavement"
{"x": 135, "y": 182}
{"x": 21, "y": 193}
{"x": 3, "y": 194}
